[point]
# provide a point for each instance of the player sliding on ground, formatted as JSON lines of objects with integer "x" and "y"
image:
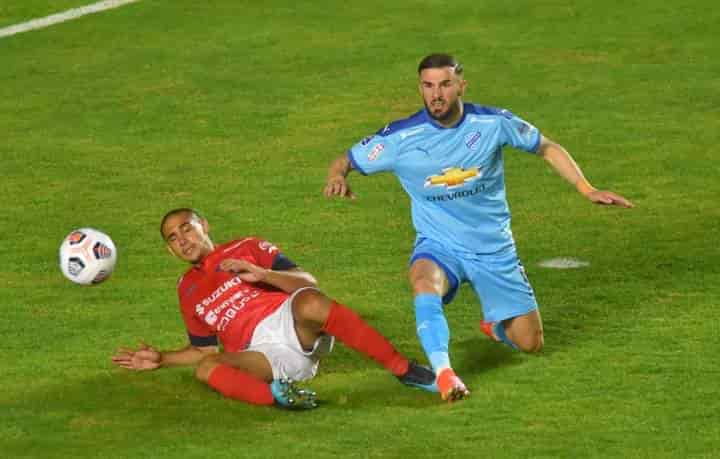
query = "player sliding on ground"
{"x": 273, "y": 322}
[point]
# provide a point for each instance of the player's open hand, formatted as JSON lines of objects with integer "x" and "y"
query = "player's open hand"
{"x": 338, "y": 186}
{"x": 245, "y": 270}
{"x": 143, "y": 358}
{"x": 608, "y": 198}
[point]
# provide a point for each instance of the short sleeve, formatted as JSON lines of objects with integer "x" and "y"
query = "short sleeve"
{"x": 202, "y": 341}
{"x": 374, "y": 154}
{"x": 282, "y": 263}
{"x": 518, "y": 133}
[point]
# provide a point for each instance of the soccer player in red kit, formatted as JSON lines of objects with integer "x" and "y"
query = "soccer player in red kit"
{"x": 273, "y": 322}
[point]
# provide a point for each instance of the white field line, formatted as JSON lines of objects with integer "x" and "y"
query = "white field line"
{"x": 563, "y": 263}
{"x": 68, "y": 15}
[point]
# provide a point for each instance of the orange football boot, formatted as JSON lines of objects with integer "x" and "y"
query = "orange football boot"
{"x": 487, "y": 328}
{"x": 450, "y": 386}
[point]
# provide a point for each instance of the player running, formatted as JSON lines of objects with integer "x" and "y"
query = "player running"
{"x": 448, "y": 158}
{"x": 273, "y": 322}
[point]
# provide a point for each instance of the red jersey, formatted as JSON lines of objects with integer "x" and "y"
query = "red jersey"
{"x": 214, "y": 302}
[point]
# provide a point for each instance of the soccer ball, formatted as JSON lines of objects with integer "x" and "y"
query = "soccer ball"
{"x": 87, "y": 256}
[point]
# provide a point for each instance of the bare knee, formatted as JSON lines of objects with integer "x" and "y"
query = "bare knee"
{"x": 311, "y": 307}
{"x": 531, "y": 342}
{"x": 526, "y": 332}
{"x": 424, "y": 285}
{"x": 426, "y": 277}
{"x": 206, "y": 366}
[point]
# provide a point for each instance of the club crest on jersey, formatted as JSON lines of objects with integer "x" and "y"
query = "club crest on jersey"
{"x": 453, "y": 177}
{"x": 375, "y": 152}
{"x": 471, "y": 140}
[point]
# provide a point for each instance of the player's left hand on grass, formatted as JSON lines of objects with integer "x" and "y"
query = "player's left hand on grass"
{"x": 143, "y": 358}
{"x": 245, "y": 270}
{"x": 608, "y": 198}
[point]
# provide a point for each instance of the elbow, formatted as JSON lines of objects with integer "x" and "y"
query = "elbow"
{"x": 300, "y": 283}
{"x": 304, "y": 280}
{"x": 548, "y": 149}
{"x": 311, "y": 281}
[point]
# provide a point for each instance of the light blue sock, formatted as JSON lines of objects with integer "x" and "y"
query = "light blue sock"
{"x": 432, "y": 329}
{"x": 499, "y": 330}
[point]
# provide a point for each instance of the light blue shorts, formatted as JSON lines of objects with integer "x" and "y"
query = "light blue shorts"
{"x": 499, "y": 280}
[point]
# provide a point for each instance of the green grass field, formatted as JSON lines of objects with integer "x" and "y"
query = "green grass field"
{"x": 237, "y": 108}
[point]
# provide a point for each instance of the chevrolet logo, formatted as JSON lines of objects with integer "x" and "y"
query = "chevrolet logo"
{"x": 453, "y": 176}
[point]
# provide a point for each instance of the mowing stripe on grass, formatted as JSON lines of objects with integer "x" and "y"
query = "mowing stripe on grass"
{"x": 62, "y": 17}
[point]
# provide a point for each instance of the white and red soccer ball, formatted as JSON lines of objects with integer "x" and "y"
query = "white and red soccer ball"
{"x": 87, "y": 256}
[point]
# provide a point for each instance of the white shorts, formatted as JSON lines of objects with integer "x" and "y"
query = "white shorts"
{"x": 275, "y": 338}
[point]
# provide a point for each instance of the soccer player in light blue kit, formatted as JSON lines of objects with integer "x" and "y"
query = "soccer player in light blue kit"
{"x": 448, "y": 158}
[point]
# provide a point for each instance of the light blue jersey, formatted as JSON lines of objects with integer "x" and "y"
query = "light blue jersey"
{"x": 454, "y": 176}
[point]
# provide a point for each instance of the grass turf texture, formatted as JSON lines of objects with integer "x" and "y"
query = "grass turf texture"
{"x": 237, "y": 109}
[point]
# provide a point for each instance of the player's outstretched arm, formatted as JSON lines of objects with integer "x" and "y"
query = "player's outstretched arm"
{"x": 561, "y": 161}
{"x": 146, "y": 357}
{"x": 337, "y": 184}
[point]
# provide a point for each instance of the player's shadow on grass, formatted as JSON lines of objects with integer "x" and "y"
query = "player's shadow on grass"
{"x": 372, "y": 387}
{"x": 473, "y": 356}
